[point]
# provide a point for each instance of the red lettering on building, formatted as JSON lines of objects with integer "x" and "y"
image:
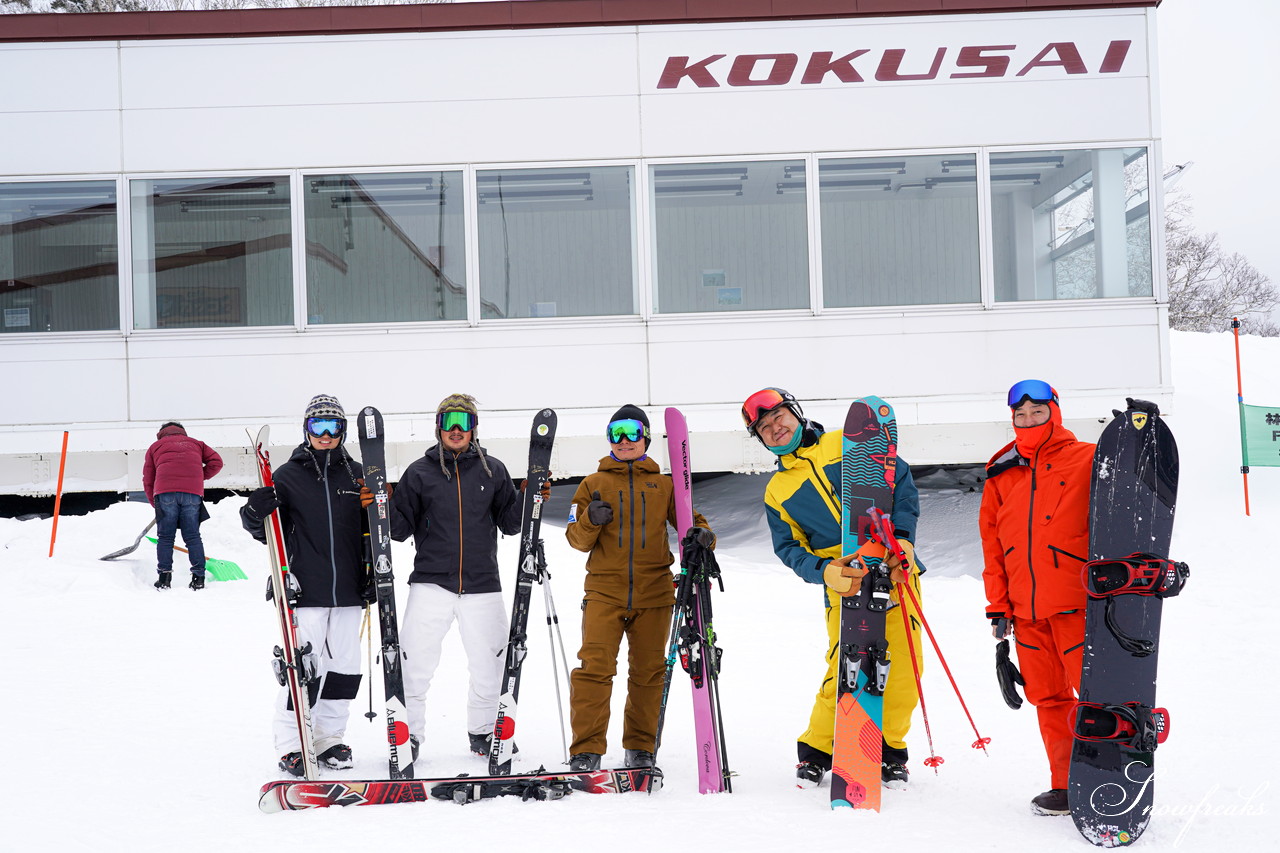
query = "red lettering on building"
{"x": 975, "y": 57}
{"x": 992, "y": 61}
{"x": 783, "y": 65}
{"x": 821, "y": 63}
{"x": 892, "y": 61}
{"x": 678, "y": 68}
{"x": 1068, "y": 58}
{"x": 1114, "y": 60}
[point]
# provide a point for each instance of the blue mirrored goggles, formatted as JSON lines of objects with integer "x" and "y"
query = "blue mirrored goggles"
{"x": 629, "y": 429}
{"x": 1035, "y": 390}
{"x": 326, "y": 426}
{"x": 464, "y": 421}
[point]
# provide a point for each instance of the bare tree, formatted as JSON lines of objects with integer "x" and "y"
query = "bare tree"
{"x": 1208, "y": 286}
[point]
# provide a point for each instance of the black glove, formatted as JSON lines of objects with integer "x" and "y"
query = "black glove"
{"x": 369, "y": 592}
{"x": 599, "y": 512}
{"x": 698, "y": 537}
{"x": 1007, "y": 674}
{"x": 1000, "y": 627}
{"x": 262, "y": 502}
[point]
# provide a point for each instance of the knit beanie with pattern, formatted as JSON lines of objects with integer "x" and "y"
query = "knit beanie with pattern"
{"x": 323, "y": 406}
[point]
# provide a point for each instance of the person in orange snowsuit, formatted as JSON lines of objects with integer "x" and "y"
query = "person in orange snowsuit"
{"x": 1034, "y": 522}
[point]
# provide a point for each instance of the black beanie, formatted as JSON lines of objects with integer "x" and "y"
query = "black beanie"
{"x": 633, "y": 412}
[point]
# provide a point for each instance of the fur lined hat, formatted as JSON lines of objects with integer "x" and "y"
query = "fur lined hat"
{"x": 461, "y": 403}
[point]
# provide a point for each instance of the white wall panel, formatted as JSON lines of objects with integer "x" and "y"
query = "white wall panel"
{"x": 60, "y": 143}
{"x": 389, "y": 69}
{"x": 59, "y": 78}
{"x": 378, "y": 134}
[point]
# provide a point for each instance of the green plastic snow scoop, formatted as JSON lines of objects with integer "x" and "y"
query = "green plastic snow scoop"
{"x": 218, "y": 570}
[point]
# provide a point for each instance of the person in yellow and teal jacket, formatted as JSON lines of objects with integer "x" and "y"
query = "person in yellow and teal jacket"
{"x": 802, "y": 507}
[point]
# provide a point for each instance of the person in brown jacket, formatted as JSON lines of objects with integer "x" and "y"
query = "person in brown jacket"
{"x": 619, "y": 517}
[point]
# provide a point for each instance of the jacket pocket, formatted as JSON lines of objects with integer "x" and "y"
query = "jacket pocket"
{"x": 1061, "y": 557}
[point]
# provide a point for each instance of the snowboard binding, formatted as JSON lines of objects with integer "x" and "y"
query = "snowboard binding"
{"x": 1138, "y": 573}
{"x": 1133, "y": 725}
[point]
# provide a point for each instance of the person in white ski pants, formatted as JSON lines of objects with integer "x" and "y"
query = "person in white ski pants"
{"x": 334, "y": 635}
{"x": 482, "y": 626}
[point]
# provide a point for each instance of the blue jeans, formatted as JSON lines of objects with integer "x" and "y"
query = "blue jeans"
{"x": 178, "y": 511}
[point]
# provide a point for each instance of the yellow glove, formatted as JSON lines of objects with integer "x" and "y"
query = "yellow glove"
{"x": 841, "y": 573}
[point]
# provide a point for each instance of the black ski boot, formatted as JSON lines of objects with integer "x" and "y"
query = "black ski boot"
{"x": 292, "y": 764}
{"x": 336, "y": 757}
{"x": 894, "y": 775}
{"x": 637, "y": 758}
{"x": 584, "y": 761}
{"x": 481, "y": 743}
{"x": 162, "y": 580}
{"x": 197, "y": 581}
{"x": 1052, "y": 802}
{"x": 809, "y": 775}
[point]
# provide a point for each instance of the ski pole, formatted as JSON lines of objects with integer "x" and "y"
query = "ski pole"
{"x": 553, "y": 619}
{"x": 367, "y": 633}
{"x": 981, "y": 742}
{"x": 934, "y": 759}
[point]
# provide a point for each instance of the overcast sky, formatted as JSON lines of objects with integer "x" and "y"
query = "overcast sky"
{"x": 1219, "y": 90}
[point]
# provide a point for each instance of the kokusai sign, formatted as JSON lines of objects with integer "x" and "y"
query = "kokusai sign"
{"x": 1064, "y": 58}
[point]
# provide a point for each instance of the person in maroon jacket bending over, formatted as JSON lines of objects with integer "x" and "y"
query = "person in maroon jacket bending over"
{"x": 173, "y": 477}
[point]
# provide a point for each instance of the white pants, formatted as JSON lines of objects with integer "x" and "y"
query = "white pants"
{"x": 483, "y": 627}
{"x": 334, "y": 635}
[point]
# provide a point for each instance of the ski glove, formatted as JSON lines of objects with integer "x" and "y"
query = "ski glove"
{"x": 599, "y": 512}
{"x": 698, "y": 537}
{"x": 545, "y": 491}
{"x": 1007, "y": 674}
{"x": 369, "y": 592}
{"x": 839, "y": 574}
{"x": 1000, "y": 627}
{"x": 262, "y": 502}
{"x": 366, "y": 497}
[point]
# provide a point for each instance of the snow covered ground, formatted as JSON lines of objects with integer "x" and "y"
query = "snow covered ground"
{"x": 138, "y": 721}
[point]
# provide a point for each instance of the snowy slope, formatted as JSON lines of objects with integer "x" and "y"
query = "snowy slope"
{"x": 138, "y": 721}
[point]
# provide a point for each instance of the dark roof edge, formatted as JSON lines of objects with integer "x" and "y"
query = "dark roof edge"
{"x": 455, "y": 17}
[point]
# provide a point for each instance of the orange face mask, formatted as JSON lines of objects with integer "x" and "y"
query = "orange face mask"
{"x": 1030, "y": 439}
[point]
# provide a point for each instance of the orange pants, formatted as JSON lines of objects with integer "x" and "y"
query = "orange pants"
{"x": 1050, "y": 652}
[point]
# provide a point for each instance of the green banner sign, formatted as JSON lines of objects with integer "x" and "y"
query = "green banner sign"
{"x": 1260, "y": 435}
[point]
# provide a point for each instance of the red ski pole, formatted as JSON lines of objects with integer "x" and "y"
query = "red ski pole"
{"x": 882, "y": 532}
{"x": 981, "y": 742}
{"x": 933, "y": 760}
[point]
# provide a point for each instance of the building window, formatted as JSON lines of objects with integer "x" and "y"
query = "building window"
{"x": 58, "y": 260}
{"x": 1071, "y": 224}
{"x": 211, "y": 252}
{"x": 899, "y": 231}
{"x": 556, "y": 242}
{"x": 729, "y": 236}
{"x": 385, "y": 248}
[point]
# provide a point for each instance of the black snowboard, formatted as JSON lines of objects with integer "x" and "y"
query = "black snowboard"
{"x": 1134, "y": 487}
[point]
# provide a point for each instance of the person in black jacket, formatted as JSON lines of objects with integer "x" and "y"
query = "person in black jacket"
{"x": 453, "y": 501}
{"x": 317, "y": 493}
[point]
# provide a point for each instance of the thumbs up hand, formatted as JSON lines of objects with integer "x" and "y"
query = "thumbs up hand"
{"x": 599, "y": 512}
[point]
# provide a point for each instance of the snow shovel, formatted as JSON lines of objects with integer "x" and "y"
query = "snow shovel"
{"x": 134, "y": 546}
{"x": 218, "y": 570}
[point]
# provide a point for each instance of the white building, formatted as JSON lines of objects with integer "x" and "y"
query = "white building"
{"x": 212, "y": 216}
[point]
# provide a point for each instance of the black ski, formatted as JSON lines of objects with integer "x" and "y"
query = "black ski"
{"x": 373, "y": 457}
{"x": 532, "y": 568}
{"x": 1117, "y": 727}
